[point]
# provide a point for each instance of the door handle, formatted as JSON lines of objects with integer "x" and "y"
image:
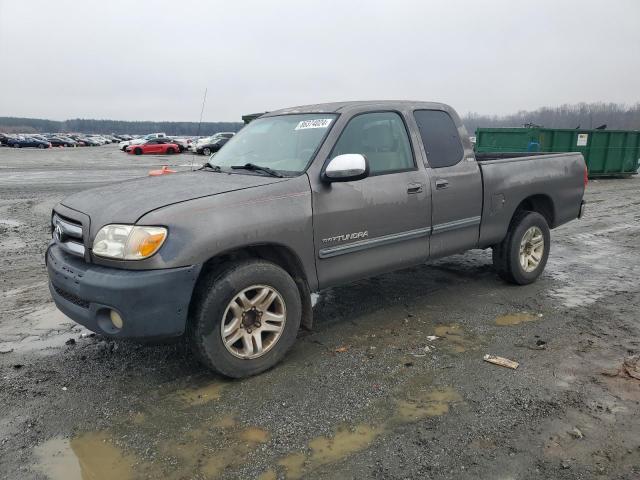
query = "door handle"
{"x": 414, "y": 188}
{"x": 442, "y": 184}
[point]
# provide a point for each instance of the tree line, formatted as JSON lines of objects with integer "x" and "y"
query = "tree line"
{"x": 582, "y": 115}
{"x": 38, "y": 125}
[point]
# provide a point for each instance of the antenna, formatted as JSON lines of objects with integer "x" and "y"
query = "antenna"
{"x": 204, "y": 100}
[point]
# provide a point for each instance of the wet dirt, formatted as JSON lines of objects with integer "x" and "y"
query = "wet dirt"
{"x": 516, "y": 318}
{"x": 393, "y": 403}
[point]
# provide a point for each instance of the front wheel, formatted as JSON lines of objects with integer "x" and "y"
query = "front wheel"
{"x": 246, "y": 318}
{"x": 170, "y": 151}
{"x": 137, "y": 151}
{"x": 521, "y": 257}
{"x": 206, "y": 151}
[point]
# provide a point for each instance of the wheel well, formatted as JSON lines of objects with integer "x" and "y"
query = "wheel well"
{"x": 541, "y": 204}
{"x": 278, "y": 254}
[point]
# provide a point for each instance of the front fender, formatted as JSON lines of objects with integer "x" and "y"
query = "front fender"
{"x": 200, "y": 229}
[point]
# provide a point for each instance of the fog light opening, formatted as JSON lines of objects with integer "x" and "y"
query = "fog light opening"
{"x": 116, "y": 319}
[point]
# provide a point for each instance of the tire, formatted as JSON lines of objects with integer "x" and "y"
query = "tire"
{"x": 40, "y": 146}
{"x": 212, "y": 306}
{"x": 16, "y": 145}
{"x": 170, "y": 151}
{"x": 206, "y": 151}
{"x": 137, "y": 151}
{"x": 507, "y": 255}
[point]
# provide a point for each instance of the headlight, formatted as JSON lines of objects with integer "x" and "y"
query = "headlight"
{"x": 128, "y": 242}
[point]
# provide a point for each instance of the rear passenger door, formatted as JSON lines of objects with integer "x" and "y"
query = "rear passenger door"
{"x": 379, "y": 223}
{"x": 456, "y": 183}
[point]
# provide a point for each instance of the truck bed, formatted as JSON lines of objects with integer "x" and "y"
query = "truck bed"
{"x": 555, "y": 180}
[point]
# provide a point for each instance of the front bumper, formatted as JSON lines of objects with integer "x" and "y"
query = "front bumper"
{"x": 152, "y": 303}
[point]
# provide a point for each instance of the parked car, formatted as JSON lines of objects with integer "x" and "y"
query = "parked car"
{"x": 139, "y": 141}
{"x": 21, "y": 142}
{"x": 182, "y": 142}
{"x": 155, "y": 145}
{"x": 88, "y": 141}
{"x": 61, "y": 142}
{"x": 211, "y": 147}
{"x": 200, "y": 142}
{"x": 300, "y": 200}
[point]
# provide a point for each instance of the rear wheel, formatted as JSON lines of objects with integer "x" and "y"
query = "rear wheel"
{"x": 137, "y": 151}
{"x": 16, "y": 145}
{"x": 40, "y": 145}
{"x": 206, "y": 151}
{"x": 246, "y": 317}
{"x": 521, "y": 257}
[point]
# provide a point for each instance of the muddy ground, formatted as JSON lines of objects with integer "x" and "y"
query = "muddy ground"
{"x": 367, "y": 394}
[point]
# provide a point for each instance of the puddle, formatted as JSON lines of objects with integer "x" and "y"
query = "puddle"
{"x": 202, "y": 395}
{"x": 9, "y": 222}
{"x": 234, "y": 455}
{"x": 209, "y": 450}
{"x": 90, "y": 456}
{"x": 228, "y": 421}
{"x": 138, "y": 418}
{"x": 268, "y": 475}
{"x": 455, "y": 337}
{"x": 254, "y": 435}
{"x": 431, "y": 403}
{"x": 344, "y": 443}
{"x": 293, "y": 465}
{"x": 325, "y": 450}
{"x": 516, "y": 318}
{"x": 48, "y": 328}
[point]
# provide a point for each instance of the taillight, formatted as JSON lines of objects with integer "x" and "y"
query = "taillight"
{"x": 586, "y": 176}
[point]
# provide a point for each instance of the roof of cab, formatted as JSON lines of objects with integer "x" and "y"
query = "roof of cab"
{"x": 341, "y": 107}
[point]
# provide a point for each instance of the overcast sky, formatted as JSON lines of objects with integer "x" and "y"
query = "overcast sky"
{"x": 152, "y": 60}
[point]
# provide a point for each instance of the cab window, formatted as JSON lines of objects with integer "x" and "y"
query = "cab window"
{"x": 382, "y": 138}
{"x": 440, "y": 138}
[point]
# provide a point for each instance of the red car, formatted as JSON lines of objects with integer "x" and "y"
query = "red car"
{"x": 156, "y": 145}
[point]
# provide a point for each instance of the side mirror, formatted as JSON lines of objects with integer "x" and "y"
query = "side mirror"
{"x": 346, "y": 168}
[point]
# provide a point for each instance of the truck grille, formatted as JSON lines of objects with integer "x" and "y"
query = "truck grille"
{"x": 68, "y": 234}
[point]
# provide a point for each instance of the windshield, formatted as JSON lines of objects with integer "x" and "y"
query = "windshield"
{"x": 284, "y": 143}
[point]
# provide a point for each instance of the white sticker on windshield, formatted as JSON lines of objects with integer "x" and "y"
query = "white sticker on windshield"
{"x": 317, "y": 123}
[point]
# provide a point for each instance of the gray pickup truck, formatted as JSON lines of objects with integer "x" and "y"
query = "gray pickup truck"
{"x": 300, "y": 200}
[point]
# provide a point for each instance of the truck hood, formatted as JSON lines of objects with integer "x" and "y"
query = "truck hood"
{"x": 127, "y": 201}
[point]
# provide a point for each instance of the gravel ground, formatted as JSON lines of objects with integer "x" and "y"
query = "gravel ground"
{"x": 367, "y": 394}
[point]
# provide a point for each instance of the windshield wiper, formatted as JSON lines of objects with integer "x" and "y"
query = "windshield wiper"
{"x": 253, "y": 166}
{"x": 215, "y": 168}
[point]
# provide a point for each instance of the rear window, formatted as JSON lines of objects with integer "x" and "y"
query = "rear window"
{"x": 440, "y": 138}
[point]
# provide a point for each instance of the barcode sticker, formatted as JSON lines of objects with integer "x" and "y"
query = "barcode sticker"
{"x": 317, "y": 123}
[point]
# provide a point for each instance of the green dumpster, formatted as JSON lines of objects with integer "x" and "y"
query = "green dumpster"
{"x": 607, "y": 152}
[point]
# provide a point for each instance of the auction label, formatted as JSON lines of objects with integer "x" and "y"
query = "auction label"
{"x": 317, "y": 123}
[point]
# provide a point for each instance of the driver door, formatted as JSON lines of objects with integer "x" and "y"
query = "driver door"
{"x": 382, "y": 222}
